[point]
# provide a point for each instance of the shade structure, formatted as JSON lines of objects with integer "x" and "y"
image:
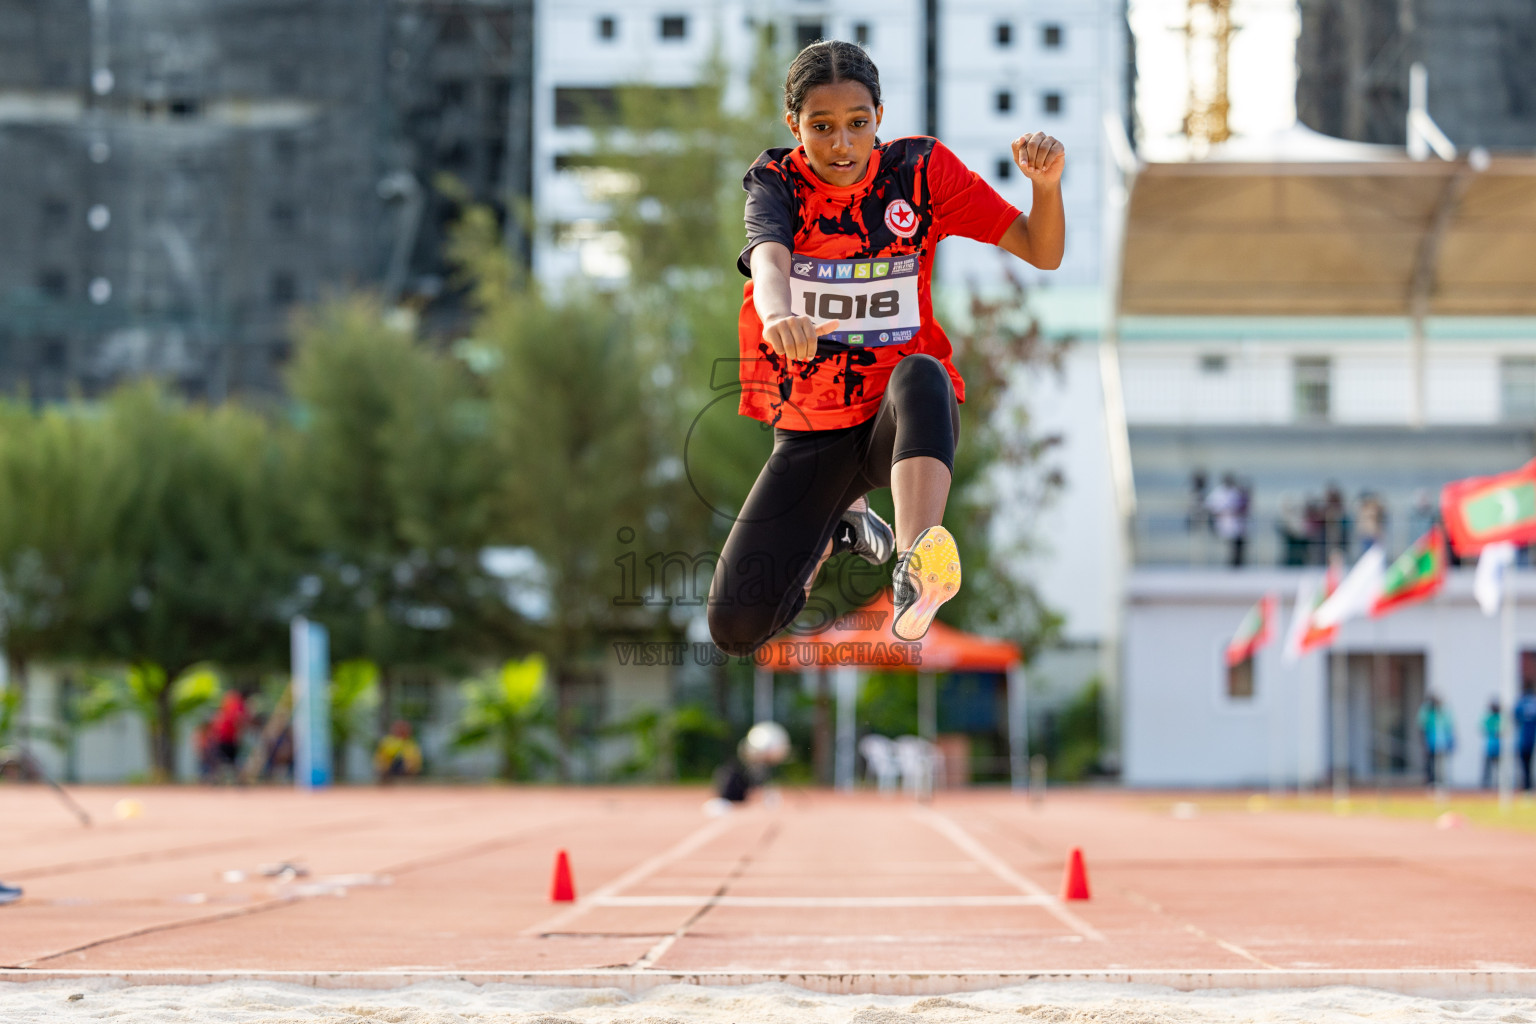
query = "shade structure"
{"x": 1351, "y": 237}
{"x": 863, "y": 639}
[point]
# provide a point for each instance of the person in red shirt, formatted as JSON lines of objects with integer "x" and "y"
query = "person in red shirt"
{"x": 840, "y": 352}
{"x": 225, "y": 729}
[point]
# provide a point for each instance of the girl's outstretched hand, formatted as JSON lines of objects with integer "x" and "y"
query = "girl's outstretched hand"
{"x": 1040, "y": 157}
{"x": 794, "y": 336}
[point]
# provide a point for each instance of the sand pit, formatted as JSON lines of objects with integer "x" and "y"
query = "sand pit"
{"x": 453, "y": 1003}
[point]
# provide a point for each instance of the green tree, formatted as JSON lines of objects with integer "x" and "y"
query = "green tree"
{"x": 146, "y": 532}
{"x": 394, "y": 484}
{"x": 55, "y": 518}
{"x": 576, "y": 465}
{"x": 164, "y": 704}
{"x": 510, "y": 709}
{"x": 354, "y": 701}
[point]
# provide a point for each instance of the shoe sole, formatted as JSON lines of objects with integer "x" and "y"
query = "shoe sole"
{"x": 934, "y": 572}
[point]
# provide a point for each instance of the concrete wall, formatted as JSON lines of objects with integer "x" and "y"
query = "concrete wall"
{"x": 1180, "y": 728}
{"x": 1370, "y": 381}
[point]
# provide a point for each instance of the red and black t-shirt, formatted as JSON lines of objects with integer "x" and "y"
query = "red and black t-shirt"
{"x": 914, "y": 193}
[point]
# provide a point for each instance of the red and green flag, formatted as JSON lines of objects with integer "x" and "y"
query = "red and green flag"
{"x": 1305, "y": 634}
{"x": 1483, "y": 510}
{"x": 1256, "y": 630}
{"x": 1417, "y": 573}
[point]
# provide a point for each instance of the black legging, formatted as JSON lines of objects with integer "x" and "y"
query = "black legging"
{"x": 810, "y": 479}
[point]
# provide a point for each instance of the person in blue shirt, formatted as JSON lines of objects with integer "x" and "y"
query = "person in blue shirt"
{"x": 1438, "y": 734}
{"x": 1525, "y": 727}
{"x": 1491, "y": 725}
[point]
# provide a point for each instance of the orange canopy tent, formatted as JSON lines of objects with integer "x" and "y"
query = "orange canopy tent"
{"x": 863, "y": 640}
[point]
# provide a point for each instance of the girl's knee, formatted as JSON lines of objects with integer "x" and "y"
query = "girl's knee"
{"x": 921, "y": 371}
{"x": 736, "y": 630}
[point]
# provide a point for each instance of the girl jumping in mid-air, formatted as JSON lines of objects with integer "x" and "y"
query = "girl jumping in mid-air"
{"x": 840, "y": 351}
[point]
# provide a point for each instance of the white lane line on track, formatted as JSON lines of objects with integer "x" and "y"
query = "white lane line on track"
{"x": 638, "y": 873}
{"x": 952, "y": 831}
{"x": 870, "y": 902}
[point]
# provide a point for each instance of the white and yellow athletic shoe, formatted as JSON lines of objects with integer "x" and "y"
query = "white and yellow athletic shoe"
{"x": 926, "y": 577}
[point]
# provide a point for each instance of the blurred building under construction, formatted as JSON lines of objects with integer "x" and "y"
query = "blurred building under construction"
{"x": 176, "y": 175}
{"x": 1353, "y": 59}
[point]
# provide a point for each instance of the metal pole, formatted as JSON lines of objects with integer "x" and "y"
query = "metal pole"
{"x": 846, "y": 686}
{"x": 927, "y": 707}
{"x": 762, "y": 694}
{"x": 1018, "y": 730}
{"x": 1510, "y": 655}
{"x": 1272, "y": 709}
{"x": 1301, "y": 736}
{"x": 1339, "y": 683}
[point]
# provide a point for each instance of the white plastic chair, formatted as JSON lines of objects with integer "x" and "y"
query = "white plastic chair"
{"x": 919, "y": 762}
{"x": 880, "y": 761}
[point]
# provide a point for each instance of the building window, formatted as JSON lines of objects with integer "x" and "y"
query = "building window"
{"x": 1311, "y": 374}
{"x": 1004, "y": 169}
{"x": 1004, "y": 101}
{"x": 1052, "y": 102}
{"x": 1004, "y": 33}
{"x": 53, "y": 353}
{"x": 283, "y": 290}
{"x": 455, "y": 29}
{"x": 674, "y": 26}
{"x": 861, "y": 33}
{"x": 607, "y": 27}
{"x": 1517, "y": 388}
{"x": 1050, "y": 37}
{"x": 1240, "y": 680}
{"x": 53, "y": 282}
{"x": 55, "y": 213}
{"x": 807, "y": 32}
{"x": 576, "y": 106}
{"x": 1213, "y": 364}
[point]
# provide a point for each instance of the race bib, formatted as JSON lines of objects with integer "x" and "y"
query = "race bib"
{"x": 874, "y": 301}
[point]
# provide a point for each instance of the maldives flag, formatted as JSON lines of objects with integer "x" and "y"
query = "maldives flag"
{"x": 1483, "y": 510}
{"x": 1256, "y": 630}
{"x": 1417, "y": 573}
{"x": 1305, "y": 634}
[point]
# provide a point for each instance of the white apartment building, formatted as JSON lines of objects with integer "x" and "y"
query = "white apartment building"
{"x": 1002, "y": 69}
{"x": 586, "y": 45}
{"x": 1008, "y": 68}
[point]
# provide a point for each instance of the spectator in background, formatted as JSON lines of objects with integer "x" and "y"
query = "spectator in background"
{"x": 1371, "y": 521}
{"x": 1422, "y": 516}
{"x": 1228, "y": 506}
{"x": 225, "y": 731}
{"x": 1294, "y": 535}
{"x": 1197, "y": 519}
{"x": 1438, "y": 735}
{"x": 398, "y": 754}
{"x": 1525, "y": 728}
{"x": 1315, "y": 517}
{"x": 1491, "y": 724}
{"x": 1335, "y": 522}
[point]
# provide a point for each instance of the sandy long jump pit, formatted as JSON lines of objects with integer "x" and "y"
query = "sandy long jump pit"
{"x": 431, "y": 904}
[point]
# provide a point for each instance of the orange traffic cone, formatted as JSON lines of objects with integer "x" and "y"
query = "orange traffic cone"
{"x": 1074, "y": 884}
{"x": 562, "y": 889}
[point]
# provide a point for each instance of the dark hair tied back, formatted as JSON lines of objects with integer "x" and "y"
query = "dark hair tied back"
{"x": 826, "y": 63}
